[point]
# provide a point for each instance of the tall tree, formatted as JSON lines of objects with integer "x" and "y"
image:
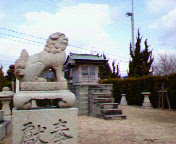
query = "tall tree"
{"x": 115, "y": 70}
{"x": 106, "y": 72}
{"x": 11, "y": 73}
{"x": 165, "y": 64}
{"x": 141, "y": 60}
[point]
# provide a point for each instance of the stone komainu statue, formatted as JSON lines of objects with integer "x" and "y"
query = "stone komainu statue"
{"x": 29, "y": 68}
{"x": 33, "y": 86}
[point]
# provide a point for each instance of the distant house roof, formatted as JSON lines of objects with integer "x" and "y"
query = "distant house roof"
{"x": 74, "y": 58}
{"x": 85, "y": 57}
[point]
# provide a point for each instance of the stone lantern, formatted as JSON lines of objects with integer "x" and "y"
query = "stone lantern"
{"x": 6, "y": 96}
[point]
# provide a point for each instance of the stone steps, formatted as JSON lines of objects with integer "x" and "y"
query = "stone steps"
{"x": 103, "y": 100}
{"x": 119, "y": 116}
{"x": 111, "y": 111}
{"x": 111, "y": 105}
{"x": 104, "y": 96}
{"x": 101, "y": 94}
{"x": 108, "y": 109}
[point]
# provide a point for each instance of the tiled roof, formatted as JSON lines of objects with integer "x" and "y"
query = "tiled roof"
{"x": 85, "y": 57}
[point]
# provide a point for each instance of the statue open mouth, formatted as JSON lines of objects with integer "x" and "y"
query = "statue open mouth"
{"x": 41, "y": 75}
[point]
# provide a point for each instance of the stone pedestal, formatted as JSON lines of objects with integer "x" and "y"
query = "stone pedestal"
{"x": 123, "y": 100}
{"x": 146, "y": 102}
{"x": 50, "y": 126}
{"x": 6, "y": 107}
{"x": 6, "y": 97}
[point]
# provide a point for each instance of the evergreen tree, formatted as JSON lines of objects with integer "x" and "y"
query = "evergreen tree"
{"x": 115, "y": 71}
{"x": 11, "y": 73}
{"x": 105, "y": 71}
{"x": 141, "y": 60}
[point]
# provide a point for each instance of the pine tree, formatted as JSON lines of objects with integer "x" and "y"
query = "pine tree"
{"x": 11, "y": 73}
{"x": 115, "y": 70}
{"x": 141, "y": 60}
{"x": 105, "y": 70}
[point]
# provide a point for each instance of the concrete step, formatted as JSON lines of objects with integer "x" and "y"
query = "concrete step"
{"x": 103, "y": 100}
{"x": 109, "y": 105}
{"x": 120, "y": 116}
{"x": 101, "y": 93}
{"x": 104, "y": 96}
{"x": 100, "y": 88}
{"x": 111, "y": 111}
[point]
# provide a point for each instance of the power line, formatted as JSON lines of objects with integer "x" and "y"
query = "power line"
{"x": 18, "y": 41}
{"x": 22, "y": 33}
{"x": 9, "y": 36}
{"x": 38, "y": 37}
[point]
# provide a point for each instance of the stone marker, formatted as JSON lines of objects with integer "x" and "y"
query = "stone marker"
{"x": 123, "y": 100}
{"x": 51, "y": 126}
{"x": 146, "y": 102}
{"x": 6, "y": 97}
{"x": 41, "y": 78}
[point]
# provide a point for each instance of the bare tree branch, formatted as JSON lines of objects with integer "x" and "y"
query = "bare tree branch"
{"x": 165, "y": 65}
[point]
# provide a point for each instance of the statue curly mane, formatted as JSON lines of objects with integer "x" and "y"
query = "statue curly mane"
{"x": 29, "y": 68}
{"x": 56, "y": 43}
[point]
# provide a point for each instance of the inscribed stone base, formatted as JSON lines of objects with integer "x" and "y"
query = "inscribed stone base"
{"x": 50, "y": 126}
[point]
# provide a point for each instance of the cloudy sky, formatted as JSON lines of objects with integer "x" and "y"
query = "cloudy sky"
{"x": 92, "y": 26}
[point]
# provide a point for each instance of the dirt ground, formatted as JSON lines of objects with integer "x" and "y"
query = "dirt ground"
{"x": 142, "y": 126}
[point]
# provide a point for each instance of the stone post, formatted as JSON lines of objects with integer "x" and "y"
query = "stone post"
{"x": 6, "y": 107}
{"x": 17, "y": 85}
{"x": 82, "y": 94}
{"x": 123, "y": 100}
{"x": 6, "y": 97}
{"x": 146, "y": 102}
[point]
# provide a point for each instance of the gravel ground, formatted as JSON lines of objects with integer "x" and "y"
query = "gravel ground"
{"x": 142, "y": 126}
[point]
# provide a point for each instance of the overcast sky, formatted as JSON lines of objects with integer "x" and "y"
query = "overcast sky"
{"x": 92, "y": 26}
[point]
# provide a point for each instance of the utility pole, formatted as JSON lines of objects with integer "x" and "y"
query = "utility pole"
{"x": 131, "y": 14}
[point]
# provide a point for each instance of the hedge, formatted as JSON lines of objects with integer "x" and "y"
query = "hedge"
{"x": 133, "y": 87}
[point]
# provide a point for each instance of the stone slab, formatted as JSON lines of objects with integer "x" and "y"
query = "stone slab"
{"x": 1, "y": 115}
{"x": 2, "y": 131}
{"x": 50, "y": 126}
{"x": 39, "y": 86}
